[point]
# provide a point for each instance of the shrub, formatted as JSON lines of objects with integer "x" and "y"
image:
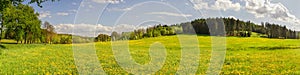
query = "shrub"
{"x": 66, "y": 40}
{"x": 102, "y": 38}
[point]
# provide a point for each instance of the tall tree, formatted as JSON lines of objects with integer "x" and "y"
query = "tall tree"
{"x": 4, "y": 4}
{"x": 115, "y": 36}
{"x": 48, "y": 33}
{"x": 24, "y": 25}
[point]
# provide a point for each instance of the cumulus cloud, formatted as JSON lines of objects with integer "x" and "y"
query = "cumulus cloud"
{"x": 108, "y": 1}
{"x": 45, "y": 14}
{"x": 226, "y": 5}
{"x": 264, "y": 8}
{"x": 62, "y": 14}
{"x": 218, "y": 5}
{"x": 260, "y": 8}
{"x": 92, "y": 30}
{"x": 170, "y": 14}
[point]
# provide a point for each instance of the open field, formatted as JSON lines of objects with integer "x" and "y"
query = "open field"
{"x": 244, "y": 56}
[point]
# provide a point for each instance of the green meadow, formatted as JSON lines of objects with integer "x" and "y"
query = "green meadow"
{"x": 249, "y": 55}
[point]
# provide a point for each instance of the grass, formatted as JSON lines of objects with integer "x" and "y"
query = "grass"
{"x": 243, "y": 56}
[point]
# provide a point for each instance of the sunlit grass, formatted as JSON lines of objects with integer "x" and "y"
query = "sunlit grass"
{"x": 244, "y": 56}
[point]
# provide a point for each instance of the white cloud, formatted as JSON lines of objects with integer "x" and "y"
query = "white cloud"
{"x": 62, "y": 14}
{"x": 45, "y": 14}
{"x": 73, "y": 11}
{"x": 226, "y": 5}
{"x": 170, "y": 14}
{"x": 260, "y": 8}
{"x": 108, "y": 1}
{"x": 92, "y": 30}
{"x": 232, "y": 17}
{"x": 277, "y": 11}
{"x": 218, "y": 5}
{"x": 119, "y": 9}
{"x": 127, "y": 9}
{"x": 200, "y": 4}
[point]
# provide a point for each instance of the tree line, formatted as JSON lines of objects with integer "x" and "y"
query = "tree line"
{"x": 155, "y": 31}
{"x": 236, "y": 27}
{"x": 209, "y": 26}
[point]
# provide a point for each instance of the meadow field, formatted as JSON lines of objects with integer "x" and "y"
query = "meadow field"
{"x": 252, "y": 55}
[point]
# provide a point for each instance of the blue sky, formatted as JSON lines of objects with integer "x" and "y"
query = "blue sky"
{"x": 91, "y": 17}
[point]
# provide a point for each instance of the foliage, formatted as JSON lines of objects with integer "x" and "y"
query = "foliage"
{"x": 24, "y": 26}
{"x": 65, "y": 40}
{"x": 236, "y": 27}
{"x": 69, "y": 39}
{"x": 48, "y": 33}
{"x": 13, "y": 12}
{"x": 115, "y": 36}
{"x": 21, "y": 23}
{"x": 211, "y": 26}
{"x": 154, "y": 31}
{"x": 102, "y": 38}
{"x": 5, "y": 3}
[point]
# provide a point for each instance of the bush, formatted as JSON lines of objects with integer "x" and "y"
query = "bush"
{"x": 102, "y": 38}
{"x": 156, "y": 33}
{"x": 56, "y": 40}
{"x": 77, "y": 40}
{"x": 66, "y": 40}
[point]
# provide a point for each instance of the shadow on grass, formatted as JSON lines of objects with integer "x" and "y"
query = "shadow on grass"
{"x": 264, "y": 48}
{"x": 8, "y": 43}
{"x": 195, "y": 34}
{"x": 275, "y": 48}
{"x": 2, "y": 47}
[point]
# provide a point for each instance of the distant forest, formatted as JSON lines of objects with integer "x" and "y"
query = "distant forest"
{"x": 236, "y": 27}
{"x": 210, "y": 26}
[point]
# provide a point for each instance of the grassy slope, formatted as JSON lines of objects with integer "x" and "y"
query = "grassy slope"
{"x": 244, "y": 56}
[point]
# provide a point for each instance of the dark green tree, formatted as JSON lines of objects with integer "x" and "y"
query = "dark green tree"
{"x": 9, "y": 7}
{"x": 102, "y": 38}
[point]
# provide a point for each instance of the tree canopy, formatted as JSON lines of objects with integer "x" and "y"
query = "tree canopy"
{"x": 19, "y": 21}
{"x": 24, "y": 26}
